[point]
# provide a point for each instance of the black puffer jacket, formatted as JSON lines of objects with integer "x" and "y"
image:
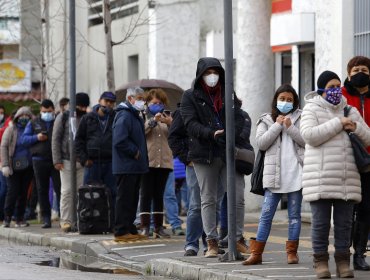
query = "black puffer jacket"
{"x": 178, "y": 139}
{"x": 200, "y": 119}
{"x": 92, "y": 140}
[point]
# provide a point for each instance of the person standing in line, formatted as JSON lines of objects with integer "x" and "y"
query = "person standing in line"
{"x": 61, "y": 160}
{"x": 39, "y": 132}
{"x": 178, "y": 141}
{"x": 357, "y": 91}
{"x": 153, "y": 183}
{"x": 330, "y": 177}
{"x": 4, "y": 123}
{"x": 129, "y": 161}
{"x": 16, "y": 167}
{"x": 203, "y": 113}
{"x": 94, "y": 145}
{"x": 278, "y": 135}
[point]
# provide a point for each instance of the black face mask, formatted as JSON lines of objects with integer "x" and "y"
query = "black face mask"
{"x": 360, "y": 80}
{"x": 106, "y": 110}
{"x": 80, "y": 113}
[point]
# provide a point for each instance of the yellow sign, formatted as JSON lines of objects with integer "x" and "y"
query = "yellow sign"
{"x": 15, "y": 76}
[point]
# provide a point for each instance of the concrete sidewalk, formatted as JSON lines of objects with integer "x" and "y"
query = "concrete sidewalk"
{"x": 154, "y": 256}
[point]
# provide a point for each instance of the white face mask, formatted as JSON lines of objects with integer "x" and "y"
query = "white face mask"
{"x": 211, "y": 80}
{"x": 139, "y": 105}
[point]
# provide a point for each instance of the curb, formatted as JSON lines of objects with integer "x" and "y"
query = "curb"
{"x": 92, "y": 248}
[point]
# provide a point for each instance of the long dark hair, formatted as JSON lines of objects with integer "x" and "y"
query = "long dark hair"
{"x": 283, "y": 88}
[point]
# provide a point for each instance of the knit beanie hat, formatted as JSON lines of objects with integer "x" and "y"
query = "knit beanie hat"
{"x": 82, "y": 99}
{"x": 323, "y": 79}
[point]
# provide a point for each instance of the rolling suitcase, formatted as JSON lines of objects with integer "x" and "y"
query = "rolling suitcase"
{"x": 93, "y": 209}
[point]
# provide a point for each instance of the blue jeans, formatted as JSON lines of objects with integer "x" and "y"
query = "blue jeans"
{"x": 223, "y": 213}
{"x": 194, "y": 226}
{"x": 270, "y": 203}
{"x": 3, "y": 190}
{"x": 170, "y": 202}
{"x": 102, "y": 173}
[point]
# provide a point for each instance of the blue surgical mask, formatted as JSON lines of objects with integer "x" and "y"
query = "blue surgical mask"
{"x": 156, "y": 108}
{"x": 47, "y": 116}
{"x": 284, "y": 107}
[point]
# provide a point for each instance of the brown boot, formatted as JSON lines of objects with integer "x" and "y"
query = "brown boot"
{"x": 291, "y": 247}
{"x": 320, "y": 264}
{"x": 158, "y": 226}
{"x": 145, "y": 223}
{"x": 342, "y": 260}
{"x": 212, "y": 250}
{"x": 256, "y": 248}
{"x": 242, "y": 247}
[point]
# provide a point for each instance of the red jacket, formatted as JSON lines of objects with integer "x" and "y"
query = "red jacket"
{"x": 354, "y": 99}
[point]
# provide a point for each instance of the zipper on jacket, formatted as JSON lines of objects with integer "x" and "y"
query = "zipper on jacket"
{"x": 362, "y": 98}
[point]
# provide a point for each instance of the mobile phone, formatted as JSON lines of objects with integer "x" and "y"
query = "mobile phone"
{"x": 44, "y": 132}
{"x": 167, "y": 112}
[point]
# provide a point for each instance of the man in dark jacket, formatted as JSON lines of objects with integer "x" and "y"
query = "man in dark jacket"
{"x": 94, "y": 144}
{"x": 130, "y": 160}
{"x": 61, "y": 160}
{"x": 39, "y": 132}
{"x": 203, "y": 112}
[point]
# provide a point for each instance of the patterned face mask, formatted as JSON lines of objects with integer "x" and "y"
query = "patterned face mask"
{"x": 333, "y": 95}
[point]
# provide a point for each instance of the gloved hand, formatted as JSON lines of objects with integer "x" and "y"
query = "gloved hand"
{"x": 6, "y": 171}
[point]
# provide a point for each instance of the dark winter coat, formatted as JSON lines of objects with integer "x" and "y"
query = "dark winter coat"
{"x": 39, "y": 149}
{"x": 200, "y": 118}
{"x": 92, "y": 140}
{"x": 128, "y": 139}
{"x": 178, "y": 139}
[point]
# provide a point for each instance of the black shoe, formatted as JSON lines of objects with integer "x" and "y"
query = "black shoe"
{"x": 224, "y": 242}
{"x": 47, "y": 222}
{"x": 190, "y": 253}
{"x": 359, "y": 263}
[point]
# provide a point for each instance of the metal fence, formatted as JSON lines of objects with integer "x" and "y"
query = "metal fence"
{"x": 362, "y": 27}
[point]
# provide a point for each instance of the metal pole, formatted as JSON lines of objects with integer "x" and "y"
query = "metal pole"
{"x": 72, "y": 99}
{"x": 230, "y": 129}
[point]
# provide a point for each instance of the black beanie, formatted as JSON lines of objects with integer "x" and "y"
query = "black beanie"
{"x": 82, "y": 99}
{"x": 323, "y": 79}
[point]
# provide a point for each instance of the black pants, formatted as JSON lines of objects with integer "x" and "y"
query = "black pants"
{"x": 16, "y": 196}
{"x": 363, "y": 208}
{"x": 44, "y": 170}
{"x": 152, "y": 189}
{"x": 127, "y": 198}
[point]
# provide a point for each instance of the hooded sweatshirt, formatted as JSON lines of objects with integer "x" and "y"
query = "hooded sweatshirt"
{"x": 329, "y": 170}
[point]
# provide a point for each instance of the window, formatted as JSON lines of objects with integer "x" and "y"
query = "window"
{"x": 119, "y": 9}
{"x": 362, "y": 28}
{"x": 133, "y": 68}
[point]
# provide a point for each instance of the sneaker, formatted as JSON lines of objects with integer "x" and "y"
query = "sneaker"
{"x": 22, "y": 224}
{"x": 66, "y": 227}
{"x": 126, "y": 237}
{"x": 178, "y": 231}
{"x": 190, "y": 253}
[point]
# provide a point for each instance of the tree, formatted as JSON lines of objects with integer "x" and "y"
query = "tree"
{"x": 108, "y": 46}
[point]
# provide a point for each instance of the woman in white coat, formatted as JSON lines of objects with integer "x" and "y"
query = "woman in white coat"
{"x": 278, "y": 134}
{"x": 330, "y": 177}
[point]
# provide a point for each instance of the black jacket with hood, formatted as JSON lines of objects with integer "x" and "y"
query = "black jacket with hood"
{"x": 200, "y": 118}
{"x": 92, "y": 140}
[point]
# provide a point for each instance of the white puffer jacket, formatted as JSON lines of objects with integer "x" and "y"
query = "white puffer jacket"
{"x": 267, "y": 138}
{"x": 329, "y": 170}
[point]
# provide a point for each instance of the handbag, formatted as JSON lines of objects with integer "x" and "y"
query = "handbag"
{"x": 244, "y": 161}
{"x": 257, "y": 175}
{"x": 362, "y": 157}
{"x": 21, "y": 163}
